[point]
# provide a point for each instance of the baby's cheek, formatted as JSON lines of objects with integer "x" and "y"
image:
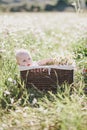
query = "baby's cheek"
{"x": 23, "y": 63}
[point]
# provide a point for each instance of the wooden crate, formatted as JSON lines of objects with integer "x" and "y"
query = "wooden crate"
{"x": 46, "y": 78}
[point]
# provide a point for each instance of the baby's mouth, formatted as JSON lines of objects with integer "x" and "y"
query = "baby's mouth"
{"x": 28, "y": 64}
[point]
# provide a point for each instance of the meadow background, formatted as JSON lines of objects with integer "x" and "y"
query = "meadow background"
{"x": 45, "y": 35}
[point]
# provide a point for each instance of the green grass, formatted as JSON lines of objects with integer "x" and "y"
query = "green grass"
{"x": 44, "y": 35}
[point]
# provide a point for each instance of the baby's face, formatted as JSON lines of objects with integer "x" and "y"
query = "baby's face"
{"x": 25, "y": 60}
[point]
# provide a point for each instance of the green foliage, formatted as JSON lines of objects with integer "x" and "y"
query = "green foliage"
{"x": 22, "y": 108}
{"x": 80, "y": 49}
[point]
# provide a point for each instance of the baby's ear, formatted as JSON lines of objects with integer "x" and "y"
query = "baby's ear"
{"x": 15, "y": 52}
{"x": 17, "y": 62}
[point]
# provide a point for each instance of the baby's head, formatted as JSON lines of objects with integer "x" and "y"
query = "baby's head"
{"x": 23, "y": 58}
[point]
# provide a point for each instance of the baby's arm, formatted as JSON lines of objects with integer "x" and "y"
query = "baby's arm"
{"x": 45, "y": 62}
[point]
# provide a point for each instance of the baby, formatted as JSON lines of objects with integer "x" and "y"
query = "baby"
{"x": 24, "y": 58}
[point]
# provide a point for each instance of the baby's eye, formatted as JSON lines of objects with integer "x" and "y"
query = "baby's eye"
{"x": 29, "y": 58}
{"x": 24, "y": 60}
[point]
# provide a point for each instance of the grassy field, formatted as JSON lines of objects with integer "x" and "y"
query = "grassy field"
{"x": 44, "y": 35}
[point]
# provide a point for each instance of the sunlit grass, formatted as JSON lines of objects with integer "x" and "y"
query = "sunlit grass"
{"x": 44, "y": 35}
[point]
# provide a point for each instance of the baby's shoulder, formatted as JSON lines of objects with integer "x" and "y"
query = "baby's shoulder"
{"x": 35, "y": 63}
